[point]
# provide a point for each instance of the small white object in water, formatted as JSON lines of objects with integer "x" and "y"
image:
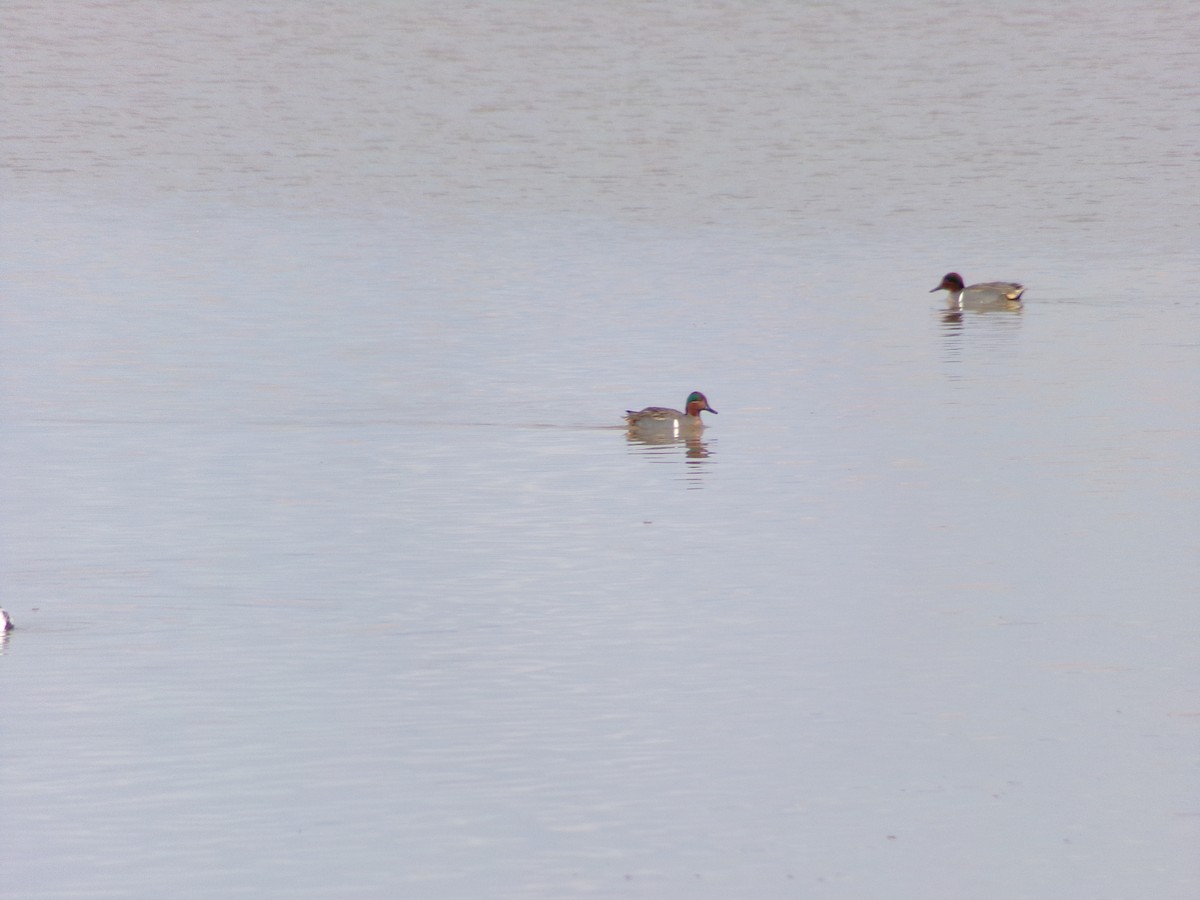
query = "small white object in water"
{"x": 7, "y": 622}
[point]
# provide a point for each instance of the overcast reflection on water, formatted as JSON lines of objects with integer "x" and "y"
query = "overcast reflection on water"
{"x": 337, "y": 574}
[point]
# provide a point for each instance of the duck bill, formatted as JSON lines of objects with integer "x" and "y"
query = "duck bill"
{"x": 711, "y": 410}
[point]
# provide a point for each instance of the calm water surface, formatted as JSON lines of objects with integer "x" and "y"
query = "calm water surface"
{"x": 335, "y": 574}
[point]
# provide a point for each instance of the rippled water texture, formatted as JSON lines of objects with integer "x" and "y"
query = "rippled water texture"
{"x": 336, "y": 574}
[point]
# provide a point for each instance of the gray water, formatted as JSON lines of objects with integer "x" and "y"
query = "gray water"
{"x": 336, "y": 575}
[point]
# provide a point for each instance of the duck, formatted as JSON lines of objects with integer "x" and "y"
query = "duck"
{"x": 661, "y": 418}
{"x": 989, "y": 292}
{"x": 5, "y": 622}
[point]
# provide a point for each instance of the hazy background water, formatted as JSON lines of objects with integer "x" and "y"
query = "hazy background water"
{"x": 335, "y": 576}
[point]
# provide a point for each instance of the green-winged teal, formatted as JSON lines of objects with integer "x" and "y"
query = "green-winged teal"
{"x": 660, "y": 418}
{"x": 989, "y": 292}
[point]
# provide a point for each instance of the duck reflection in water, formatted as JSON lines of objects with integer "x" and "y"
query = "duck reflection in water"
{"x": 695, "y": 446}
{"x": 656, "y": 428}
{"x": 971, "y": 330}
{"x": 990, "y": 297}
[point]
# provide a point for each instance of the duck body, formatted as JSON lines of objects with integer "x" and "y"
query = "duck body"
{"x": 662, "y": 418}
{"x": 985, "y": 293}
